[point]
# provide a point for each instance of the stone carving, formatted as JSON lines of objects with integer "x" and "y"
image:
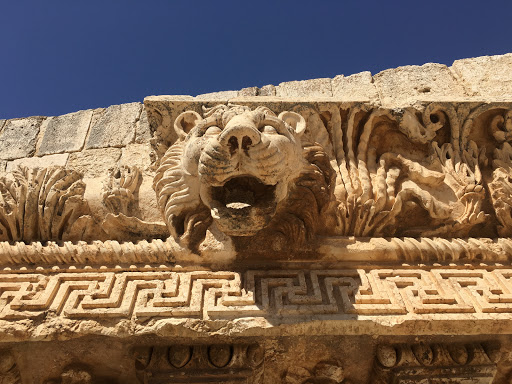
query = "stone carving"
{"x": 121, "y": 189}
{"x": 369, "y": 172}
{"x": 331, "y": 249}
{"x": 320, "y": 170}
{"x": 446, "y": 363}
{"x": 43, "y": 204}
{"x": 9, "y": 372}
{"x": 501, "y": 189}
{"x": 205, "y": 294}
{"x": 328, "y": 372}
{"x": 243, "y": 172}
{"x": 227, "y": 363}
{"x": 120, "y": 196}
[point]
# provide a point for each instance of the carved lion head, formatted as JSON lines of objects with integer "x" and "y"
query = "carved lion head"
{"x": 232, "y": 168}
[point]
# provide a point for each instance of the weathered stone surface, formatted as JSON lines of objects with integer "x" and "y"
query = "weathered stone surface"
{"x": 39, "y": 162}
{"x": 65, "y": 133}
{"x": 137, "y": 155}
{"x": 358, "y": 86}
{"x": 115, "y": 127}
{"x": 142, "y": 130}
{"x": 250, "y": 91}
{"x": 267, "y": 90}
{"x": 18, "y": 137}
{"x": 94, "y": 162}
{"x": 309, "y": 239}
{"x": 403, "y": 86}
{"x": 305, "y": 88}
{"x": 222, "y": 95}
{"x": 486, "y": 76}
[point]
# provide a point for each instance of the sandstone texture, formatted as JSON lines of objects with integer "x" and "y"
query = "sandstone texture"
{"x": 348, "y": 230}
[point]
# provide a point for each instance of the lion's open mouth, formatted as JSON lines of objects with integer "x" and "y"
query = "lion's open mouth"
{"x": 243, "y": 192}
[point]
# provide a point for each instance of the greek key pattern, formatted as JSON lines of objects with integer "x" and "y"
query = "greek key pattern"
{"x": 205, "y": 294}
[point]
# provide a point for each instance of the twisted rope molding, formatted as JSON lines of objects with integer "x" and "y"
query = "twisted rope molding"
{"x": 429, "y": 250}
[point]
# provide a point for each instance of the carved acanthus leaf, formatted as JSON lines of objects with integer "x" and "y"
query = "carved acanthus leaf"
{"x": 501, "y": 188}
{"x": 43, "y": 204}
{"x": 121, "y": 189}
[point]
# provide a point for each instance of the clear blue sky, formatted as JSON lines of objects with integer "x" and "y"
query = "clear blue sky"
{"x": 61, "y": 56}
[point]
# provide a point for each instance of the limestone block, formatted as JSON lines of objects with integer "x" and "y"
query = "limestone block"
{"x": 222, "y": 95}
{"x": 404, "y": 85}
{"x": 306, "y": 88}
{"x": 250, "y": 91}
{"x": 65, "y": 133}
{"x": 142, "y": 131}
{"x": 3, "y": 165}
{"x": 39, "y": 162}
{"x": 2, "y": 122}
{"x": 267, "y": 90}
{"x": 18, "y": 137}
{"x": 94, "y": 162}
{"x": 115, "y": 127}
{"x": 358, "y": 86}
{"x": 137, "y": 155}
{"x": 488, "y": 76}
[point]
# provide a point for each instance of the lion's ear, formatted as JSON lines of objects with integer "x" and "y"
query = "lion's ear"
{"x": 294, "y": 120}
{"x": 185, "y": 122}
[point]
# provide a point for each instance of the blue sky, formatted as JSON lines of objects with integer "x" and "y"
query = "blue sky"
{"x": 61, "y": 56}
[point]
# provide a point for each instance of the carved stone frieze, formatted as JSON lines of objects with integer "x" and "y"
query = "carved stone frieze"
{"x": 372, "y": 172}
{"x": 436, "y": 363}
{"x": 263, "y": 239}
{"x": 244, "y": 178}
{"x": 226, "y": 363}
{"x": 339, "y": 294}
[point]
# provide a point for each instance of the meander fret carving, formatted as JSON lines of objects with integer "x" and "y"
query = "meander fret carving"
{"x": 226, "y": 363}
{"x": 436, "y": 363}
{"x": 284, "y": 175}
{"x": 206, "y": 294}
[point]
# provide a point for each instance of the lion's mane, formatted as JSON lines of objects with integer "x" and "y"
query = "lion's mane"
{"x": 299, "y": 217}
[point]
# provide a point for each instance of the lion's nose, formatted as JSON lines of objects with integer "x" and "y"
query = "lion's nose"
{"x": 239, "y": 138}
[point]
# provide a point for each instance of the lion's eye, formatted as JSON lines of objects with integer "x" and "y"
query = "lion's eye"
{"x": 268, "y": 129}
{"x": 213, "y": 131}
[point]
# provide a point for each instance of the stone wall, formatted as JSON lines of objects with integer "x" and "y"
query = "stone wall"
{"x": 348, "y": 230}
{"x": 119, "y": 128}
